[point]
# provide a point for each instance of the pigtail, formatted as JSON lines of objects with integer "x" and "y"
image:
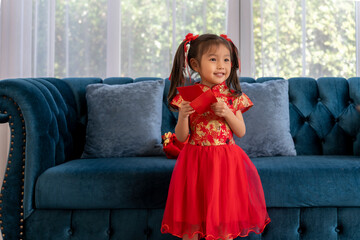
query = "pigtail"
{"x": 177, "y": 78}
{"x": 233, "y": 80}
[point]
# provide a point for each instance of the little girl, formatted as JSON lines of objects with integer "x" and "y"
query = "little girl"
{"x": 215, "y": 190}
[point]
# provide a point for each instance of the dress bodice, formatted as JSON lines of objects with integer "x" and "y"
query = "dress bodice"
{"x": 208, "y": 129}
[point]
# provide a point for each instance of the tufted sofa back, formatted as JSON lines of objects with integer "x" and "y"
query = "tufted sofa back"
{"x": 323, "y": 118}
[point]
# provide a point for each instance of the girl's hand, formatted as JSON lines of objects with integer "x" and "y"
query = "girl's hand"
{"x": 185, "y": 110}
{"x": 221, "y": 109}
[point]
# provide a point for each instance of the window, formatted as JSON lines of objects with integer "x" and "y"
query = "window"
{"x": 143, "y": 39}
{"x": 305, "y": 38}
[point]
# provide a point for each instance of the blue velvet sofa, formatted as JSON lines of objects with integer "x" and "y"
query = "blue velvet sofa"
{"x": 50, "y": 193}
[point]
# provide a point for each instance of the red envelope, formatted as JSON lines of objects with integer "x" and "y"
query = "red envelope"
{"x": 200, "y": 101}
{"x": 189, "y": 93}
{"x": 203, "y": 102}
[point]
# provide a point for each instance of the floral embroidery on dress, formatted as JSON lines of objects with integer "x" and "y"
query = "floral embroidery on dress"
{"x": 207, "y": 129}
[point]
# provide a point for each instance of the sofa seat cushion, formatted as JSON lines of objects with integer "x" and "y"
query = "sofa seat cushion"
{"x": 105, "y": 183}
{"x": 142, "y": 182}
{"x": 309, "y": 181}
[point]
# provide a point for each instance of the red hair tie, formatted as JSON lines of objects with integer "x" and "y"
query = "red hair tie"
{"x": 189, "y": 37}
{"x": 226, "y": 37}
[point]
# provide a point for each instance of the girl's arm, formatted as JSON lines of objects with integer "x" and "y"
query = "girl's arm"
{"x": 235, "y": 121}
{"x": 182, "y": 126}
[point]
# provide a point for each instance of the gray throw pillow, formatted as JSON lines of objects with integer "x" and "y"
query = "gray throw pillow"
{"x": 268, "y": 121}
{"x": 124, "y": 120}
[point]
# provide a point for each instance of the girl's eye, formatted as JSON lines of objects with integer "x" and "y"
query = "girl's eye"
{"x": 227, "y": 60}
{"x": 213, "y": 59}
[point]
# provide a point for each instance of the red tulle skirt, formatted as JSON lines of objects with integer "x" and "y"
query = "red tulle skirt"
{"x": 216, "y": 192}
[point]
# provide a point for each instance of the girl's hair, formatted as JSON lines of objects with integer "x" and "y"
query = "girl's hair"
{"x": 198, "y": 47}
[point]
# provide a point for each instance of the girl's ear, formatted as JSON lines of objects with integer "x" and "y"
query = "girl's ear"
{"x": 194, "y": 64}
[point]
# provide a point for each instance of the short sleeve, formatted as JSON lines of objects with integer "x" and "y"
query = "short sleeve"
{"x": 242, "y": 103}
{"x": 176, "y": 101}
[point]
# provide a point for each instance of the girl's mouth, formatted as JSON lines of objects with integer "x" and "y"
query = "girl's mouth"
{"x": 219, "y": 74}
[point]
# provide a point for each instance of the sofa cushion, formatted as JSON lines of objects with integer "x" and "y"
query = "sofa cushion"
{"x": 124, "y": 120}
{"x": 310, "y": 181}
{"x": 106, "y": 183}
{"x": 267, "y": 122}
{"x": 168, "y": 117}
{"x": 142, "y": 182}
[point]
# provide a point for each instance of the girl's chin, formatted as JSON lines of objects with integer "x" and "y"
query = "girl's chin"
{"x": 213, "y": 82}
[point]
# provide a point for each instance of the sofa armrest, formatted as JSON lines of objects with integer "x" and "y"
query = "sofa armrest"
{"x": 4, "y": 118}
{"x": 12, "y": 190}
{"x": 32, "y": 108}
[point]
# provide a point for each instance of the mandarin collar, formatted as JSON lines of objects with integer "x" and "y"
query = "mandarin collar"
{"x": 215, "y": 87}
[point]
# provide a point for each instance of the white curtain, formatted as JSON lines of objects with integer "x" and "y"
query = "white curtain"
{"x": 15, "y": 42}
{"x": 357, "y": 13}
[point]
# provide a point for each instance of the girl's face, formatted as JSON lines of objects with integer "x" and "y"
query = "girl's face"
{"x": 215, "y": 65}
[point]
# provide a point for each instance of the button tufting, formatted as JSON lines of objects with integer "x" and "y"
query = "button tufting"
{"x": 319, "y": 99}
{"x": 300, "y": 230}
{"x": 108, "y": 232}
{"x": 70, "y": 231}
{"x": 338, "y": 229}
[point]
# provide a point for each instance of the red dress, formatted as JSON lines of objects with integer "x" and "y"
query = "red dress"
{"x": 215, "y": 190}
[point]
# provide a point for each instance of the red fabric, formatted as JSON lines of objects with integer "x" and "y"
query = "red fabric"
{"x": 171, "y": 145}
{"x": 215, "y": 190}
{"x": 189, "y": 93}
{"x": 203, "y": 102}
{"x": 200, "y": 101}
